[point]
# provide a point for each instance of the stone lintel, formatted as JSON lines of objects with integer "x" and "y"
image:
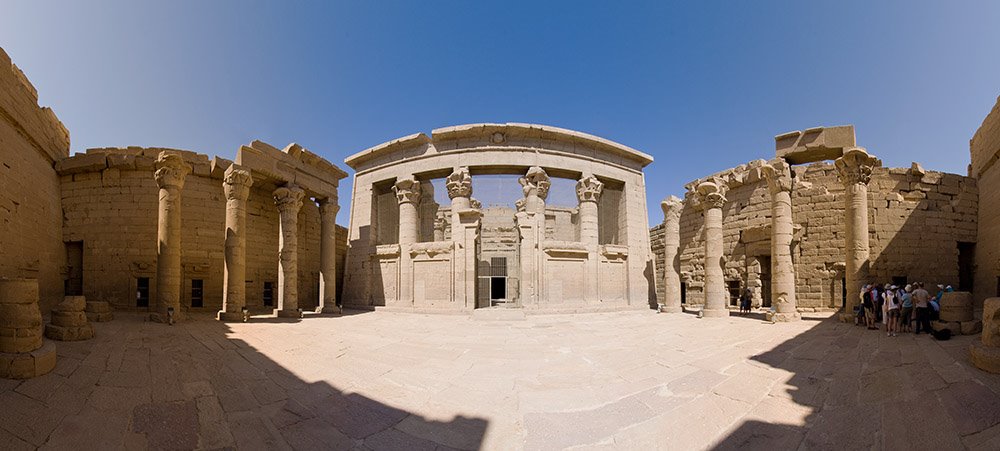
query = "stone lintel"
{"x": 294, "y": 164}
{"x": 814, "y": 144}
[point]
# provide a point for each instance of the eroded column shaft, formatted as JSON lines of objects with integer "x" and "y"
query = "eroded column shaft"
{"x": 236, "y": 185}
{"x": 288, "y": 200}
{"x": 328, "y": 255}
{"x": 170, "y": 174}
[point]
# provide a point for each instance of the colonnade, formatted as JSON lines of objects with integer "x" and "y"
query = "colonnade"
{"x": 171, "y": 171}
{"x": 854, "y": 169}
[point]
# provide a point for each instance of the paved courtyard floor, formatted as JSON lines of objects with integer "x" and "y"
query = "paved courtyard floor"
{"x": 381, "y": 380}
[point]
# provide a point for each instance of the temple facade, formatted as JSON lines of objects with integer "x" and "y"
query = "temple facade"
{"x": 406, "y": 250}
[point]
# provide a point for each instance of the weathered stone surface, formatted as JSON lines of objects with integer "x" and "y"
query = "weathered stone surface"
{"x": 956, "y": 306}
{"x": 98, "y": 307}
{"x": 814, "y": 144}
{"x": 73, "y": 333}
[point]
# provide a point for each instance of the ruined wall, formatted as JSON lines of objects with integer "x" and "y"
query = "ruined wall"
{"x": 110, "y": 201}
{"x": 31, "y": 140}
{"x": 917, "y": 220}
{"x": 984, "y": 148}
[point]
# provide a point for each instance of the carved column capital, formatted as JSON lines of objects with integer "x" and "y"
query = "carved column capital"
{"x": 855, "y": 166}
{"x": 779, "y": 176}
{"x": 288, "y": 198}
{"x": 459, "y": 183}
{"x": 537, "y": 181}
{"x": 475, "y": 203}
{"x": 328, "y": 207}
{"x": 407, "y": 191}
{"x": 672, "y": 208}
{"x": 171, "y": 170}
{"x": 589, "y": 188}
{"x": 711, "y": 194}
{"x": 237, "y": 182}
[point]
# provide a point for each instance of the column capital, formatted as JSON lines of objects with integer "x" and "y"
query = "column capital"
{"x": 537, "y": 181}
{"x": 475, "y": 203}
{"x": 589, "y": 188}
{"x": 856, "y": 166}
{"x": 288, "y": 198}
{"x": 328, "y": 206}
{"x": 779, "y": 176}
{"x": 407, "y": 191}
{"x": 459, "y": 183}
{"x": 171, "y": 170}
{"x": 672, "y": 208}
{"x": 236, "y": 182}
{"x": 711, "y": 194}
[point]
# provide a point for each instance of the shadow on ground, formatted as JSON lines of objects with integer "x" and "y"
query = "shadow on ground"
{"x": 148, "y": 385}
{"x": 869, "y": 391}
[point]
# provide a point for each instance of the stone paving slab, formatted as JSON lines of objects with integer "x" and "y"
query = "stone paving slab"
{"x": 387, "y": 380}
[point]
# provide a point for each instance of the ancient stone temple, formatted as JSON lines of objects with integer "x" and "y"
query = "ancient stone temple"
{"x": 408, "y": 250}
{"x": 804, "y": 230}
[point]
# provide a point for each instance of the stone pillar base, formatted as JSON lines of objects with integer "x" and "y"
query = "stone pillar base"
{"x": 28, "y": 364}
{"x": 782, "y": 317}
{"x": 665, "y": 309}
{"x": 99, "y": 311}
{"x": 722, "y": 313}
{"x": 288, "y": 313}
{"x": 331, "y": 310}
{"x": 236, "y": 317}
{"x": 69, "y": 333}
{"x": 986, "y": 358}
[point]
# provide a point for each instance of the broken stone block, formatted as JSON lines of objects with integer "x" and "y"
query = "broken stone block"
{"x": 814, "y": 144}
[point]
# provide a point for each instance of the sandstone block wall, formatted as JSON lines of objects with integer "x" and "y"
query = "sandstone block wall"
{"x": 984, "y": 148}
{"x": 31, "y": 140}
{"x": 917, "y": 220}
{"x": 110, "y": 205}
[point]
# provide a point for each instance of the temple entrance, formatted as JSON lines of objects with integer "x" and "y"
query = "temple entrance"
{"x": 966, "y": 265}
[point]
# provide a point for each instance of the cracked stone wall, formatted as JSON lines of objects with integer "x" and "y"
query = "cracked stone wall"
{"x": 917, "y": 220}
{"x": 984, "y": 148}
{"x": 31, "y": 140}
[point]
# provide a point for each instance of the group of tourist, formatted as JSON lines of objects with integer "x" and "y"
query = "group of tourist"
{"x": 899, "y": 309}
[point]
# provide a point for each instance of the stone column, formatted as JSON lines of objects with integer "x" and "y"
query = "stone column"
{"x": 672, "y": 208}
{"x": 459, "y": 185}
{"x": 170, "y": 173}
{"x": 440, "y": 224}
{"x": 855, "y": 171}
{"x": 588, "y": 192}
{"x": 530, "y": 220}
{"x": 712, "y": 197}
{"x": 236, "y": 184}
{"x": 779, "y": 183}
{"x": 23, "y": 352}
{"x": 328, "y": 209}
{"x": 408, "y": 195}
{"x": 288, "y": 199}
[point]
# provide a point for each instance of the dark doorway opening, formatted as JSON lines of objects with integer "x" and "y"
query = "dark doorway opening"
{"x": 765, "y": 281}
{"x": 843, "y": 289}
{"x": 733, "y": 286}
{"x": 268, "y": 294}
{"x": 74, "y": 262}
{"x": 684, "y": 293}
{"x": 197, "y": 293}
{"x": 142, "y": 292}
{"x": 966, "y": 265}
{"x": 498, "y": 288}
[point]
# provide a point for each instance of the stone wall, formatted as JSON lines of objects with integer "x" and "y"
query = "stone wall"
{"x": 984, "y": 148}
{"x": 110, "y": 200}
{"x": 31, "y": 140}
{"x": 917, "y": 220}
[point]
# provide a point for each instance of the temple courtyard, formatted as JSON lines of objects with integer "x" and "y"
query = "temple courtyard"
{"x": 385, "y": 380}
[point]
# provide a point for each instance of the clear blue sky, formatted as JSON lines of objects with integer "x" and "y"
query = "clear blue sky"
{"x": 702, "y": 86}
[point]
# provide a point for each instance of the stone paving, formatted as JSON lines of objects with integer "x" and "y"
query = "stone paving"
{"x": 384, "y": 380}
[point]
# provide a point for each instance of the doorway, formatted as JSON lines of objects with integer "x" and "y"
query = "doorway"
{"x": 765, "y": 281}
{"x": 966, "y": 265}
{"x": 74, "y": 262}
